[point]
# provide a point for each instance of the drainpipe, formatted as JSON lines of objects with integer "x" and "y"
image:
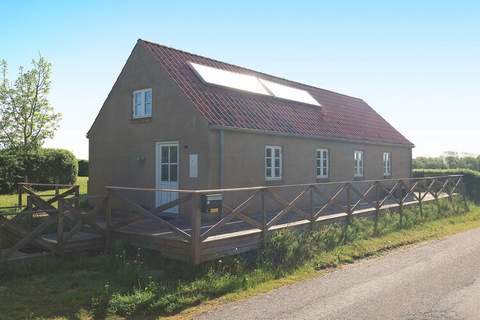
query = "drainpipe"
{"x": 221, "y": 164}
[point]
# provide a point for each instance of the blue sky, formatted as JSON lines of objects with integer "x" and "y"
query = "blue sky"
{"x": 416, "y": 62}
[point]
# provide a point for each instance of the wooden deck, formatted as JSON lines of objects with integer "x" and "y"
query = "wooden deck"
{"x": 58, "y": 226}
{"x": 52, "y": 224}
{"x": 241, "y": 230}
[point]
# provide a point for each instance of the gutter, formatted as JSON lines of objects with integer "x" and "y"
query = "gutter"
{"x": 259, "y": 131}
{"x": 222, "y": 158}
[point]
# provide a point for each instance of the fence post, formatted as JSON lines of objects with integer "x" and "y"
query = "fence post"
{"x": 108, "y": 222}
{"x": 57, "y": 190}
{"x": 20, "y": 196}
{"x": 30, "y": 213}
{"x": 349, "y": 200}
{"x": 348, "y": 209}
{"x": 264, "y": 216}
{"x": 420, "y": 198}
{"x": 377, "y": 207}
{"x": 435, "y": 196}
{"x": 312, "y": 211}
{"x": 77, "y": 196}
{"x": 450, "y": 197}
{"x": 464, "y": 194}
{"x": 196, "y": 225}
{"x": 60, "y": 233}
{"x": 400, "y": 203}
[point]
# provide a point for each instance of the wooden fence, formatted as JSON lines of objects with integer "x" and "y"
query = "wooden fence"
{"x": 49, "y": 223}
{"x": 260, "y": 210}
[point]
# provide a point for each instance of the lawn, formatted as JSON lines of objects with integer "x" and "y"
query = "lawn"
{"x": 129, "y": 284}
{"x": 9, "y": 200}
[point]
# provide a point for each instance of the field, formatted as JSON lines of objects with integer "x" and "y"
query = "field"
{"x": 138, "y": 284}
{"x": 8, "y": 200}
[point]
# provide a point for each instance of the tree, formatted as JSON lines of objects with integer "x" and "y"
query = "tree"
{"x": 26, "y": 117}
{"x": 451, "y": 159}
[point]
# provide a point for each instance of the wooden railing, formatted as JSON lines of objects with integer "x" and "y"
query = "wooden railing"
{"x": 263, "y": 208}
{"x": 48, "y": 222}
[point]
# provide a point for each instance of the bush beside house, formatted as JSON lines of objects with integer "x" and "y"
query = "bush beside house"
{"x": 83, "y": 168}
{"x": 45, "y": 166}
{"x": 471, "y": 178}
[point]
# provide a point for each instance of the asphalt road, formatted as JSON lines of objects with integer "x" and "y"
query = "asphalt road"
{"x": 434, "y": 280}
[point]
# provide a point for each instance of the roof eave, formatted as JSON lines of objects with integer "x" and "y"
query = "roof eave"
{"x": 286, "y": 134}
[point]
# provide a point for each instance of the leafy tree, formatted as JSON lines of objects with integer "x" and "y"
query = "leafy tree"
{"x": 449, "y": 160}
{"x": 26, "y": 117}
{"x": 429, "y": 163}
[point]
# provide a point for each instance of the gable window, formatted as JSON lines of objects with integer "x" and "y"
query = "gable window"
{"x": 273, "y": 163}
{"x": 322, "y": 163}
{"x": 387, "y": 164}
{"x": 142, "y": 103}
{"x": 358, "y": 164}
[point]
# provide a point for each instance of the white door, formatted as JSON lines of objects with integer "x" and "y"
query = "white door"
{"x": 166, "y": 173}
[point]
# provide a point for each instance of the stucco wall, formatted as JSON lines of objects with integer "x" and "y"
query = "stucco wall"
{"x": 122, "y": 150}
{"x": 244, "y": 152}
{"x": 244, "y": 163}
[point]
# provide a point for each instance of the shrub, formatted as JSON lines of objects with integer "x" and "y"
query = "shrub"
{"x": 282, "y": 249}
{"x": 11, "y": 169}
{"x": 83, "y": 168}
{"x": 44, "y": 166}
{"x": 471, "y": 179}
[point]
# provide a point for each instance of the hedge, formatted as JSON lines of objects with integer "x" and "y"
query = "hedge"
{"x": 11, "y": 172}
{"x": 43, "y": 166}
{"x": 83, "y": 168}
{"x": 471, "y": 179}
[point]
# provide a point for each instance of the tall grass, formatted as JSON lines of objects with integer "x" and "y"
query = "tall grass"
{"x": 284, "y": 251}
{"x": 133, "y": 283}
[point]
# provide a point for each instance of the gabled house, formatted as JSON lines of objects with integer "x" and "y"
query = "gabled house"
{"x": 181, "y": 121}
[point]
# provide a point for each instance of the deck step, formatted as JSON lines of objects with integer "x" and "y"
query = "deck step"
{"x": 78, "y": 237}
{"x": 19, "y": 255}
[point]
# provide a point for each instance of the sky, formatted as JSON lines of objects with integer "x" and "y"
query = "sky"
{"x": 416, "y": 62}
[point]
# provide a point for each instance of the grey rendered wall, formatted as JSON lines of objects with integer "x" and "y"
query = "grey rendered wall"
{"x": 244, "y": 163}
{"x": 122, "y": 150}
{"x": 244, "y": 152}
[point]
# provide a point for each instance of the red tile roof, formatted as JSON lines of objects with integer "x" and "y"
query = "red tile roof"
{"x": 340, "y": 116}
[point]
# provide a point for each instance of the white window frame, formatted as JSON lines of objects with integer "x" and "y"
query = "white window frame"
{"x": 358, "y": 163}
{"x": 387, "y": 164}
{"x": 143, "y": 113}
{"x": 273, "y": 167}
{"x": 320, "y": 156}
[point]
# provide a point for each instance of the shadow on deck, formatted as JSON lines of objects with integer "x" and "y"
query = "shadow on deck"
{"x": 56, "y": 224}
{"x": 239, "y": 230}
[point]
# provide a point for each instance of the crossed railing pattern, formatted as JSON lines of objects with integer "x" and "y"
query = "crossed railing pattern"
{"x": 59, "y": 214}
{"x": 345, "y": 202}
{"x": 351, "y": 198}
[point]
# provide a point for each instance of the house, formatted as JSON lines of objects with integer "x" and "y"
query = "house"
{"x": 177, "y": 120}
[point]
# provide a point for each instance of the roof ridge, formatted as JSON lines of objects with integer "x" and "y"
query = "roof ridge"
{"x": 248, "y": 69}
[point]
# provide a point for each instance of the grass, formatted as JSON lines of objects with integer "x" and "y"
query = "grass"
{"x": 10, "y": 200}
{"x": 129, "y": 285}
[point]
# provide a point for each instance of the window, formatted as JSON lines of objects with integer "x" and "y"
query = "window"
{"x": 229, "y": 79}
{"x": 387, "y": 164}
{"x": 252, "y": 83}
{"x": 290, "y": 93}
{"x": 358, "y": 164}
{"x": 322, "y": 163}
{"x": 273, "y": 163}
{"x": 142, "y": 103}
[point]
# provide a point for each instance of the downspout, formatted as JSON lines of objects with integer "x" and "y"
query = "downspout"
{"x": 221, "y": 153}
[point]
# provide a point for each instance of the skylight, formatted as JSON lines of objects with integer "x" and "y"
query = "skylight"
{"x": 229, "y": 79}
{"x": 252, "y": 84}
{"x": 289, "y": 93}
